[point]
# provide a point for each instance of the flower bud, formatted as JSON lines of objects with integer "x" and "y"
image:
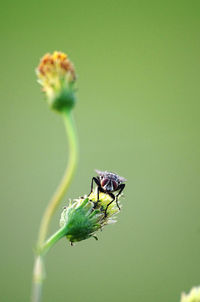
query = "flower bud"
{"x": 193, "y": 296}
{"x": 56, "y": 75}
{"x": 84, "y": 216}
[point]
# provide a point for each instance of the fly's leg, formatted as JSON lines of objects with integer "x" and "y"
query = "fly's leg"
{"x": 97, "y": 181}
{"x": 113, "y": 198}
{"x": 99, "y": 189}
{"x": 120, "y": 188}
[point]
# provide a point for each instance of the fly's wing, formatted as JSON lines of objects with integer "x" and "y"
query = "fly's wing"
{"x": 105, "y": 173}
{"x": 122, "y": 179}
{"x": 100, "y": 173}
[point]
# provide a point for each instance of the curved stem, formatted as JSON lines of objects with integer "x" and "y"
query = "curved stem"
{"x": 43, "y": 247}
{"x": 66, "y": 180}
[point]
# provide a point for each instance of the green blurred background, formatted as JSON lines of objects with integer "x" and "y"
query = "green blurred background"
{"x": 138, "y": 65}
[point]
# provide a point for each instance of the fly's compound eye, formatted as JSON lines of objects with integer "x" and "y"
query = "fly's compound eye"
{"x": 104, "y": 182}
{"x": 114, "y": 185}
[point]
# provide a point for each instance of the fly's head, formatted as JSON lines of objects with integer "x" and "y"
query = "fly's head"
{"x": 109, "y": 181}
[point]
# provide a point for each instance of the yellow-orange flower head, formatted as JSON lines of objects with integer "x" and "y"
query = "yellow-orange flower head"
{"x": 56, "y": 75}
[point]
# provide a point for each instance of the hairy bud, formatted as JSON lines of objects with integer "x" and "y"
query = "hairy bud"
{"x": 84, "y": 216}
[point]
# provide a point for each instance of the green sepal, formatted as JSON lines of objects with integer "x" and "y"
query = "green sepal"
{"x": 64, "y": 100}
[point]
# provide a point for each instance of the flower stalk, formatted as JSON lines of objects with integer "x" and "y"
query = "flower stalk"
{"x": 50, "y": 242}
{"x": 57, "y": 77}
{"x": 67, "y": 178}
{"x": 42, "y": 248}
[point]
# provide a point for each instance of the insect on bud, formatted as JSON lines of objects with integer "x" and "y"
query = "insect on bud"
{"x": 84, "y": 216}
{"x": 56, "y": 75}
{"x": 193, "y": 296}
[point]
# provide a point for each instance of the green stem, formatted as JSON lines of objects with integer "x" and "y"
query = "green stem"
{"x": 66, "y": 180}
{"x": 49, "y": 243}
{"x": 43, "y": 247}
{"x": 39, "y": 271}
{"x": 38, "y": 278}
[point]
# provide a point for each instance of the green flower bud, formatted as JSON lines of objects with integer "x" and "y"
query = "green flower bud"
{"x": 193, "y": 296}
{"x": 57, "y": 77}
{"x": 84, "y": 217}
